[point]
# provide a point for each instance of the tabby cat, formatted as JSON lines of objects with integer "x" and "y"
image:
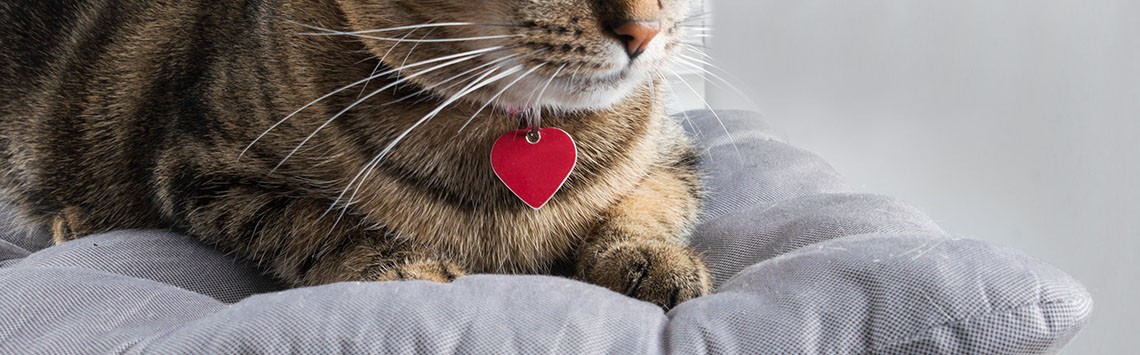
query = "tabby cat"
{"x": 348, "y": 140}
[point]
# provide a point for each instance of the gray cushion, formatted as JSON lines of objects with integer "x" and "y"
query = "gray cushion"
{"x": 802, "y": 264}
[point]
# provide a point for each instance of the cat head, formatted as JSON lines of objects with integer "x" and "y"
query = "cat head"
{"x": 562, "y": 55}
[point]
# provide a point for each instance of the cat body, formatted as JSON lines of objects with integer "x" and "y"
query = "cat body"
{"x": 213, "y": 118}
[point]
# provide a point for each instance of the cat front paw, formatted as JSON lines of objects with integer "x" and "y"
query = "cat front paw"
{"x": 661, "y": 273}
{"x": 426, "y": 270}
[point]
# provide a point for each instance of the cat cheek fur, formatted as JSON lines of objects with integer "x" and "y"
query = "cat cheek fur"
{"x": 136, "y": 124}
{"x": 567, "y": 37}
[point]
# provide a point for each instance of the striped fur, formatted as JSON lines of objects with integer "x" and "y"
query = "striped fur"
{"x": 133, "y": 114}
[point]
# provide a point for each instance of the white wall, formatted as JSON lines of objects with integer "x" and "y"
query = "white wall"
{"x": 1014, "y": 121}
{"x": 686, "y": 89}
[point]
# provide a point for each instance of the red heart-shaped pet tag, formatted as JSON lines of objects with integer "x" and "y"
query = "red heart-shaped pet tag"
{"x": 534, "y": 171}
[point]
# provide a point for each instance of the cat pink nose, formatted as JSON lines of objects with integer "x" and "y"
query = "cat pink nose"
{"x": 637, "y": 35}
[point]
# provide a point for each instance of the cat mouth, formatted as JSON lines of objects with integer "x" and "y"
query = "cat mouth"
{"x": 602, "y": 79}
{"x": 576, "y": 83}
{"x": 567, "y": 87}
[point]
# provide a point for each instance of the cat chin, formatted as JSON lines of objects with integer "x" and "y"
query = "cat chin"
{"x": 589, "y": 100}
{"x": 562, "y": 95}
{"x": 563, "y": 100}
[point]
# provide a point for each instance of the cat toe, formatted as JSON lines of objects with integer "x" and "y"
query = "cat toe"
{"x": 426, "y": 270}
{"x": 657, "y": 272}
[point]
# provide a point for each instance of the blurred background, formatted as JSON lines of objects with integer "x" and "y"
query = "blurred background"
{"x": 1013, "y": 121}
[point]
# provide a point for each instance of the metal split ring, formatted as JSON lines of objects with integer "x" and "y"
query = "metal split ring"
{"x": 533, "y": 136}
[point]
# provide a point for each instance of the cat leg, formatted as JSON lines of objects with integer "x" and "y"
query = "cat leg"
{"x": 640, "y": 249}
{"x": 376, "y": 257}
{"x": 68, "y": 224}
{"x": 426, "y": 269}
{"x": 297, "y": 241}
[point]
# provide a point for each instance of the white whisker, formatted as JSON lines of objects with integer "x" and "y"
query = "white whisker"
{"x": 529, "y": 105}
{"x": 362, "y": 177}
{"x": 365, "y": 98}
{"x": 332, "y": 32}
{"x": 453, "y": 78}
{"x": 713, "y": 111}
{"x": 392, "y": 39}
{"x": 362, "y": 81}
{"x": 500, "y": 93}
{"x": 684, "y": 60}
{"x": 380, "y": 62}
{"x": 410, "y": 27}
{"x": 574, "y": 74}
{"x": 695, "y": 17}
{"x": 696, "y": 50}
{"x": 677, "y": 98}
{"x": 538, "y": 102}
{"x": 400, "y": 28}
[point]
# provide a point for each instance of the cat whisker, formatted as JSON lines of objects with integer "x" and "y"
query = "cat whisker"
{"x": 695, "y": 17}
{"x": 392, "y": 39}
{"x": 410, "y": 52}
{"x": 446, "y": 40}
{"x": 415, "y": 45}
{"x": 498, "y": 94}
{"x": 357, "y": 181}
{"x": 366, "y": 172}
{"x": 697, "y": 49}
{"x": 380, "y": 62}
{"x": 424, "y": 96}
{"x": 652, "y": 88}
{"x": 574, "y": 74}
{"x": 695, "y": 46}
{"x": 713, "y": 111}
{"x": 453, "y": 79}
{"x": 538, "y": 102}
{"x": 374, "y": 93}
{"x": 685, "y": 60}
{"x": 529, "y": 107}
{"x": 677, "y": 98}
{"x": 408, "y": 27}
{"x": 358, "y": 34}
{"x": 362, "y": 81}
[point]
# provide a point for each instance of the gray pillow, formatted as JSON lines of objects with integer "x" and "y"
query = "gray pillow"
{"x": 802, "y": 264}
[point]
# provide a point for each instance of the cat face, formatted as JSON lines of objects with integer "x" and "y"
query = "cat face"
{"x": 560, "y": 55}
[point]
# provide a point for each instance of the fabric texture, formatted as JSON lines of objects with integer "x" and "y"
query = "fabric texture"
{"x": 802, "y": 264}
